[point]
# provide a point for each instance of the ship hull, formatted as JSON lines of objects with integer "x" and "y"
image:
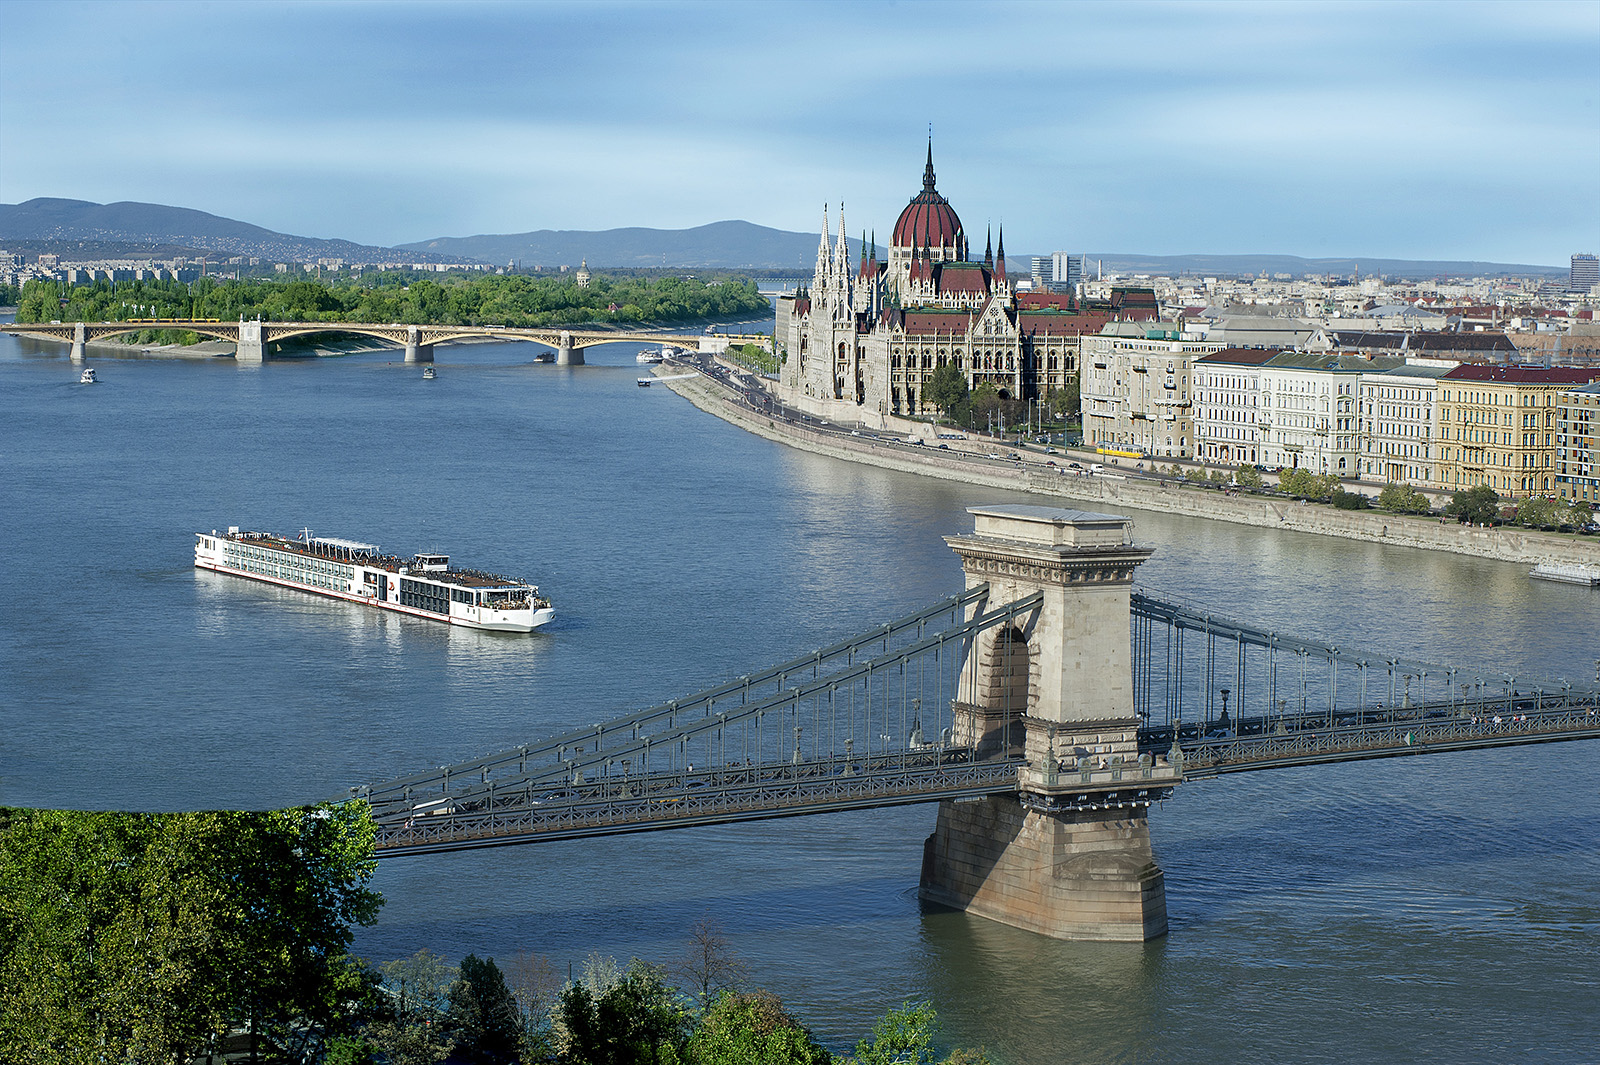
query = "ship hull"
{"x": 375, "y": 586}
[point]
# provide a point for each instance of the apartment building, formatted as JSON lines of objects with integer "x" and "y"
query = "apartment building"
{"x": 1578, "y": 443}
{"x": 1497, "y": 427}
{"x": 1397, "y": 412}
{"x": 1135, "y": 389}
{"x": 1227, "y": 393}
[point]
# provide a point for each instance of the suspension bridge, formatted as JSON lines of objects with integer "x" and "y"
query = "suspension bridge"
{"x": 1045, "y": 707}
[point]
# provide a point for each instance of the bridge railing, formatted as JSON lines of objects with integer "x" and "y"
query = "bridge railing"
{"x": 1202, "y": 670}
{"x": 878, "y": 707}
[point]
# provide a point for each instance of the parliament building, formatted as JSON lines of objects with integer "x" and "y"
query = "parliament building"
{"x": 863, "y": 340}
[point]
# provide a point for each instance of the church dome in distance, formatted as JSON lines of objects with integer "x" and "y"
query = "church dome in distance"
{"x": 928, "y": 220}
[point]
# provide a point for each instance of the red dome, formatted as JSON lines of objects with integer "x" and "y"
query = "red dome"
{"x": 928, "y": 220}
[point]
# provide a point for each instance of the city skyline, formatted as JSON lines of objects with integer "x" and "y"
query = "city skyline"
{"x": 1313, "y": 130}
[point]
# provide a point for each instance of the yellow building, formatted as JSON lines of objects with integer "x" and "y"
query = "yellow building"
{"x": 1497, "y": 427}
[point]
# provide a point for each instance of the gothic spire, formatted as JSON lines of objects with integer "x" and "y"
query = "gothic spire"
{"x": 988, "y": 248}
{"x": 927, "y": 171}
{"x": 1000, "y": 255}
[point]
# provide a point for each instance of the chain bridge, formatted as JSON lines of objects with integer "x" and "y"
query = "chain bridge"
{"x": 1045, "y": 707}
{"x": 252, "y": 337}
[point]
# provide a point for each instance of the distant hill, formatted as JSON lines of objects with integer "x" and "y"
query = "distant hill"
{"x": 1236, "y": 265}
{"x": 152, "y": 225}
{"x": 726, "y": 245}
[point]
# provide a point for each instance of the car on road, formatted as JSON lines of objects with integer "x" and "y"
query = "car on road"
{"x": 1074, "y": 465}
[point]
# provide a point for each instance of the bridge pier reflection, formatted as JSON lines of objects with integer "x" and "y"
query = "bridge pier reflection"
{"x": 1069, "y": 854}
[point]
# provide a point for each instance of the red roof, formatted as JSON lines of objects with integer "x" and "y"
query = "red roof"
{"x": 1534, "y": 375}
{"x": 1056, "y": 324}
{"x": 967, "y": 278}
{"x": 923, "y": 322}
{"x": 1045, "y": 301}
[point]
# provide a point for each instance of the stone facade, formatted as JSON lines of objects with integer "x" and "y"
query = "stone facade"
{"x": 863, "y": 341}
{"x": 1069, "y": 855}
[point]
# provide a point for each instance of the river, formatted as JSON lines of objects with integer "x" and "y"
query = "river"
{"x": 1430, "y": 908}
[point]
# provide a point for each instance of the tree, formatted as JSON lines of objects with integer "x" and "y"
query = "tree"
{"x": 1343, "y": 500}
{"x": 753, "y": 1029}
{"x": 946, "y": 389}
{"x": 147, "y": 936}
{"x": 1474, "y": 506}
{"x": 902, "y": 1036}
{"x": 536, "y": 986}
{"x": 1247, "y": 476}
{"x": 709, "y": 965}
{"x": 420, "y": 983}
{"x": 1403, "y": 499}
{"x": 635, "y": 1021}
{"x": 482, "y": 1017}
{"x": 1303, "y": 484}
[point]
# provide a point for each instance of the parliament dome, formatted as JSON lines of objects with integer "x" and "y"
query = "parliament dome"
{"x": 929, "y": 221}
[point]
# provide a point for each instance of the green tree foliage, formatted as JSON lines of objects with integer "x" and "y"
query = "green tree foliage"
{"x": 10, "y": 295}
{"x": 1303, "y": 484}
{"x": 1547, "y": 513}
{"x": 905, "y": 1036}
{"x": 482, "y": 1016}
{"x": 637, "y": 1020}
{"x": 1343, "y": 500}
{"x": 947, "y": 391}
{"x": 1474, "y": 506}
{"x": 753, "y": 1029}
{"x": 142, "y": 937}
{"x": 1247, "y": 476}
{"x": 511, "y": 299}
{"x": 1403, "y": 499}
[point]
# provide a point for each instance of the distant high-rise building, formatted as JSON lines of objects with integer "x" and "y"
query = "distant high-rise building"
{"x": 1067, "y": 270}
{"x": 1585, "y": 273}
{"x": 1043, "y": 270}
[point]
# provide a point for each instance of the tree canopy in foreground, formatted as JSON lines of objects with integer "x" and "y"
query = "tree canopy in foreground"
{"x": 144, "y": 937}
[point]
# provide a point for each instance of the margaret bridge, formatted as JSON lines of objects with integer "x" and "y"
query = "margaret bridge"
{"x": 252, "y": 338}
{"x": 1045, "y": 707}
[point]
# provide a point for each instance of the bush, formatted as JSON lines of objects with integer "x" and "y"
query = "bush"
{"x": 1474, "y": 506}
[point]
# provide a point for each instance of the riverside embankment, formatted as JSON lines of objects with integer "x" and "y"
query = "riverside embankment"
{"x": 1112, "y": 491}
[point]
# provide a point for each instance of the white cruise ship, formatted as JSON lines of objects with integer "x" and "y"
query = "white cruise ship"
{"x": 423, "y": 586}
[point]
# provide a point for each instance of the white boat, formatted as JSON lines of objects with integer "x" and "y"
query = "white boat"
{"x": 1567, "y": 573}
{"x": 429, "y": 373}
{"x": 87, "y": 377}
{"x": 423, "y": 586}
{"x": 644, "y": 382}
{"x": 650, "y": 356}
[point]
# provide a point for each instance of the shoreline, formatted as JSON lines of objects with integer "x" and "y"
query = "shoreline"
{"x": 1504, "y": 544}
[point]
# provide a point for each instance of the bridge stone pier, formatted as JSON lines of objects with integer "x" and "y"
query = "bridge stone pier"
{"x": 80, "y": 337}
{"x": 416, "y": 351}
{"x": 251, "y": 347}
{"x": 1069, "y": 854}
{"x": 567, "y": 354}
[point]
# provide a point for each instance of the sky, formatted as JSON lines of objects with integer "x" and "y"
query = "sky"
{"x": 1423, "y": 131}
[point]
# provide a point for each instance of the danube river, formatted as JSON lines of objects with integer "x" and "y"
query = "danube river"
{"x": 1440, "y": 908}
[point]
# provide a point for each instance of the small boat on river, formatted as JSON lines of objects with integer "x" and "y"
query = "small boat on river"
{"x": 429, "y": 373}
{"x": 87, "y": 377}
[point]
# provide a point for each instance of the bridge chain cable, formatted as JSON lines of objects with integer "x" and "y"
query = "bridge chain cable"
{"x": 1289, "y": 700}
{"x": 572, "y": 770}
{"x": 812, "y": 661}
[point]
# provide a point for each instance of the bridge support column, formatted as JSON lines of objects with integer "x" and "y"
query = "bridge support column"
{"x": 417, "y": 352}
{"x": 251, "y": 347}
{"x": 566, "y": 353}
{"x": 1069, "y": 855}
{"x": 80, "y": 335}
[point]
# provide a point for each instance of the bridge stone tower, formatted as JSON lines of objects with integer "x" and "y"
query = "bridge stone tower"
{"x": 416, "y": 351}
{"x": 251, "y": 346}
{"x": 1068, "y": 855}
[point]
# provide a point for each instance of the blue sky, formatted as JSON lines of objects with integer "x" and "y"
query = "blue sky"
{"x": 1432, "y": 130}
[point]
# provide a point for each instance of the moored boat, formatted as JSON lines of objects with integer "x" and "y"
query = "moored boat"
{"x": 1567, "y": 573}
{"x": 423, "y": 586}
